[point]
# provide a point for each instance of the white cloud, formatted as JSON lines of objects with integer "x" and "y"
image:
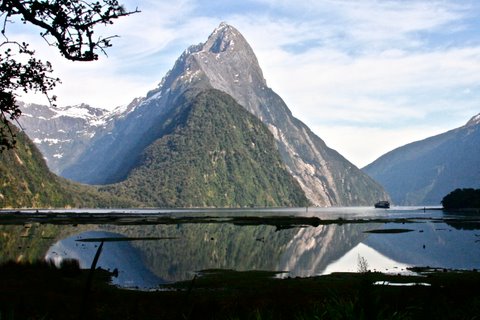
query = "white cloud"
{"x": 372, "y": 20}
{"x": 324, "y": 87}
{"x": 378, "y": 71}
{"x": 389, "y": 21}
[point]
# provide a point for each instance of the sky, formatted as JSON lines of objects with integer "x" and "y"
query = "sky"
{"x": 367, "y": 76}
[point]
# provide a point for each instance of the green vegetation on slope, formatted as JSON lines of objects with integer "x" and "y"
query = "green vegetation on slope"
{"x": 26, "y": 182}
{"x": 213, "y": 153}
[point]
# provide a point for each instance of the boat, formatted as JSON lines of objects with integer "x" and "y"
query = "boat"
{"x": 382, "y": 204}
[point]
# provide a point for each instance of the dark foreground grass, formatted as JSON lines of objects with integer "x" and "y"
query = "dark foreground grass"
{"x": 40, "y": 291}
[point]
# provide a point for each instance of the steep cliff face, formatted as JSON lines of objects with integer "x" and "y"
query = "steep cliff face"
{"x": 423, "y": 172}
{"x": 227, "y": 63}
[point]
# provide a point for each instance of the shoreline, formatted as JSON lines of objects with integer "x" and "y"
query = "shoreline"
{"x": 33, "y": 291}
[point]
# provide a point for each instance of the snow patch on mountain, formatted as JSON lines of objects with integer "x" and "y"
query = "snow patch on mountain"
{"x": 62, "y": 132}
{"x": 49, "y": 141}
{"x": 474, "y": 121}
{"x": 74, "y": 112}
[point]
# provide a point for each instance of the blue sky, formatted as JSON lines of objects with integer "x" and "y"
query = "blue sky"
{"x": 366, "y": 76}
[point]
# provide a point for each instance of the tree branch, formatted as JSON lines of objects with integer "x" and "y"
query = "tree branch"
{"x": 71, "y": 24}
{"x": 58, "y": 21}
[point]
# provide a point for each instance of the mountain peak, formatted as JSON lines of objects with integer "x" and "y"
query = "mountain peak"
{"x": 224, "y": 61}
{"x": 229, "y": 64}
{"x": 475, "y": 120}
{"x": 225, "y": 37}
{"x": 222, "y": 28}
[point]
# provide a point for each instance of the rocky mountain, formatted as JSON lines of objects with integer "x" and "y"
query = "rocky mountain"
{"x": 26, "y": 182}
{"x": 62, "y": 133}
{"x": 423, "y": 172}
{"x": 227, "y": 63}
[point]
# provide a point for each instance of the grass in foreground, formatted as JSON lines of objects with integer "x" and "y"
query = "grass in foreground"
{"x": 40, "y": 291}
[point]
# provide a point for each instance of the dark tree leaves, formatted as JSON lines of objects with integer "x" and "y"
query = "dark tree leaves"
{"x": 68, "y": 25}
{"x": 19, "y": 70}
{"x": 462, "y": 199}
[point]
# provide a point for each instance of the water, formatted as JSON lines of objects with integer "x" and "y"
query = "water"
{"x": 161, "y": 253}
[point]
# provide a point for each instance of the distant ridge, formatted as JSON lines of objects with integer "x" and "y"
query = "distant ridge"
{"x": 62, "y": 133}
{"x": 423, "y": 172}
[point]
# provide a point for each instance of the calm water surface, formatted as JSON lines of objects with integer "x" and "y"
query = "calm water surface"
{"x": 432, "y": 240}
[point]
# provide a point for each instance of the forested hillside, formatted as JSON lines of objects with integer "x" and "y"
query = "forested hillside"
{"x": 26, "y": 182}
{"x": 212, "y": 153}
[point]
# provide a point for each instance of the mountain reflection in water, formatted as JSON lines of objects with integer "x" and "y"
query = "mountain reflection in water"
{"x": 300, "y": 251}
{"x": 118, "y": 257}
